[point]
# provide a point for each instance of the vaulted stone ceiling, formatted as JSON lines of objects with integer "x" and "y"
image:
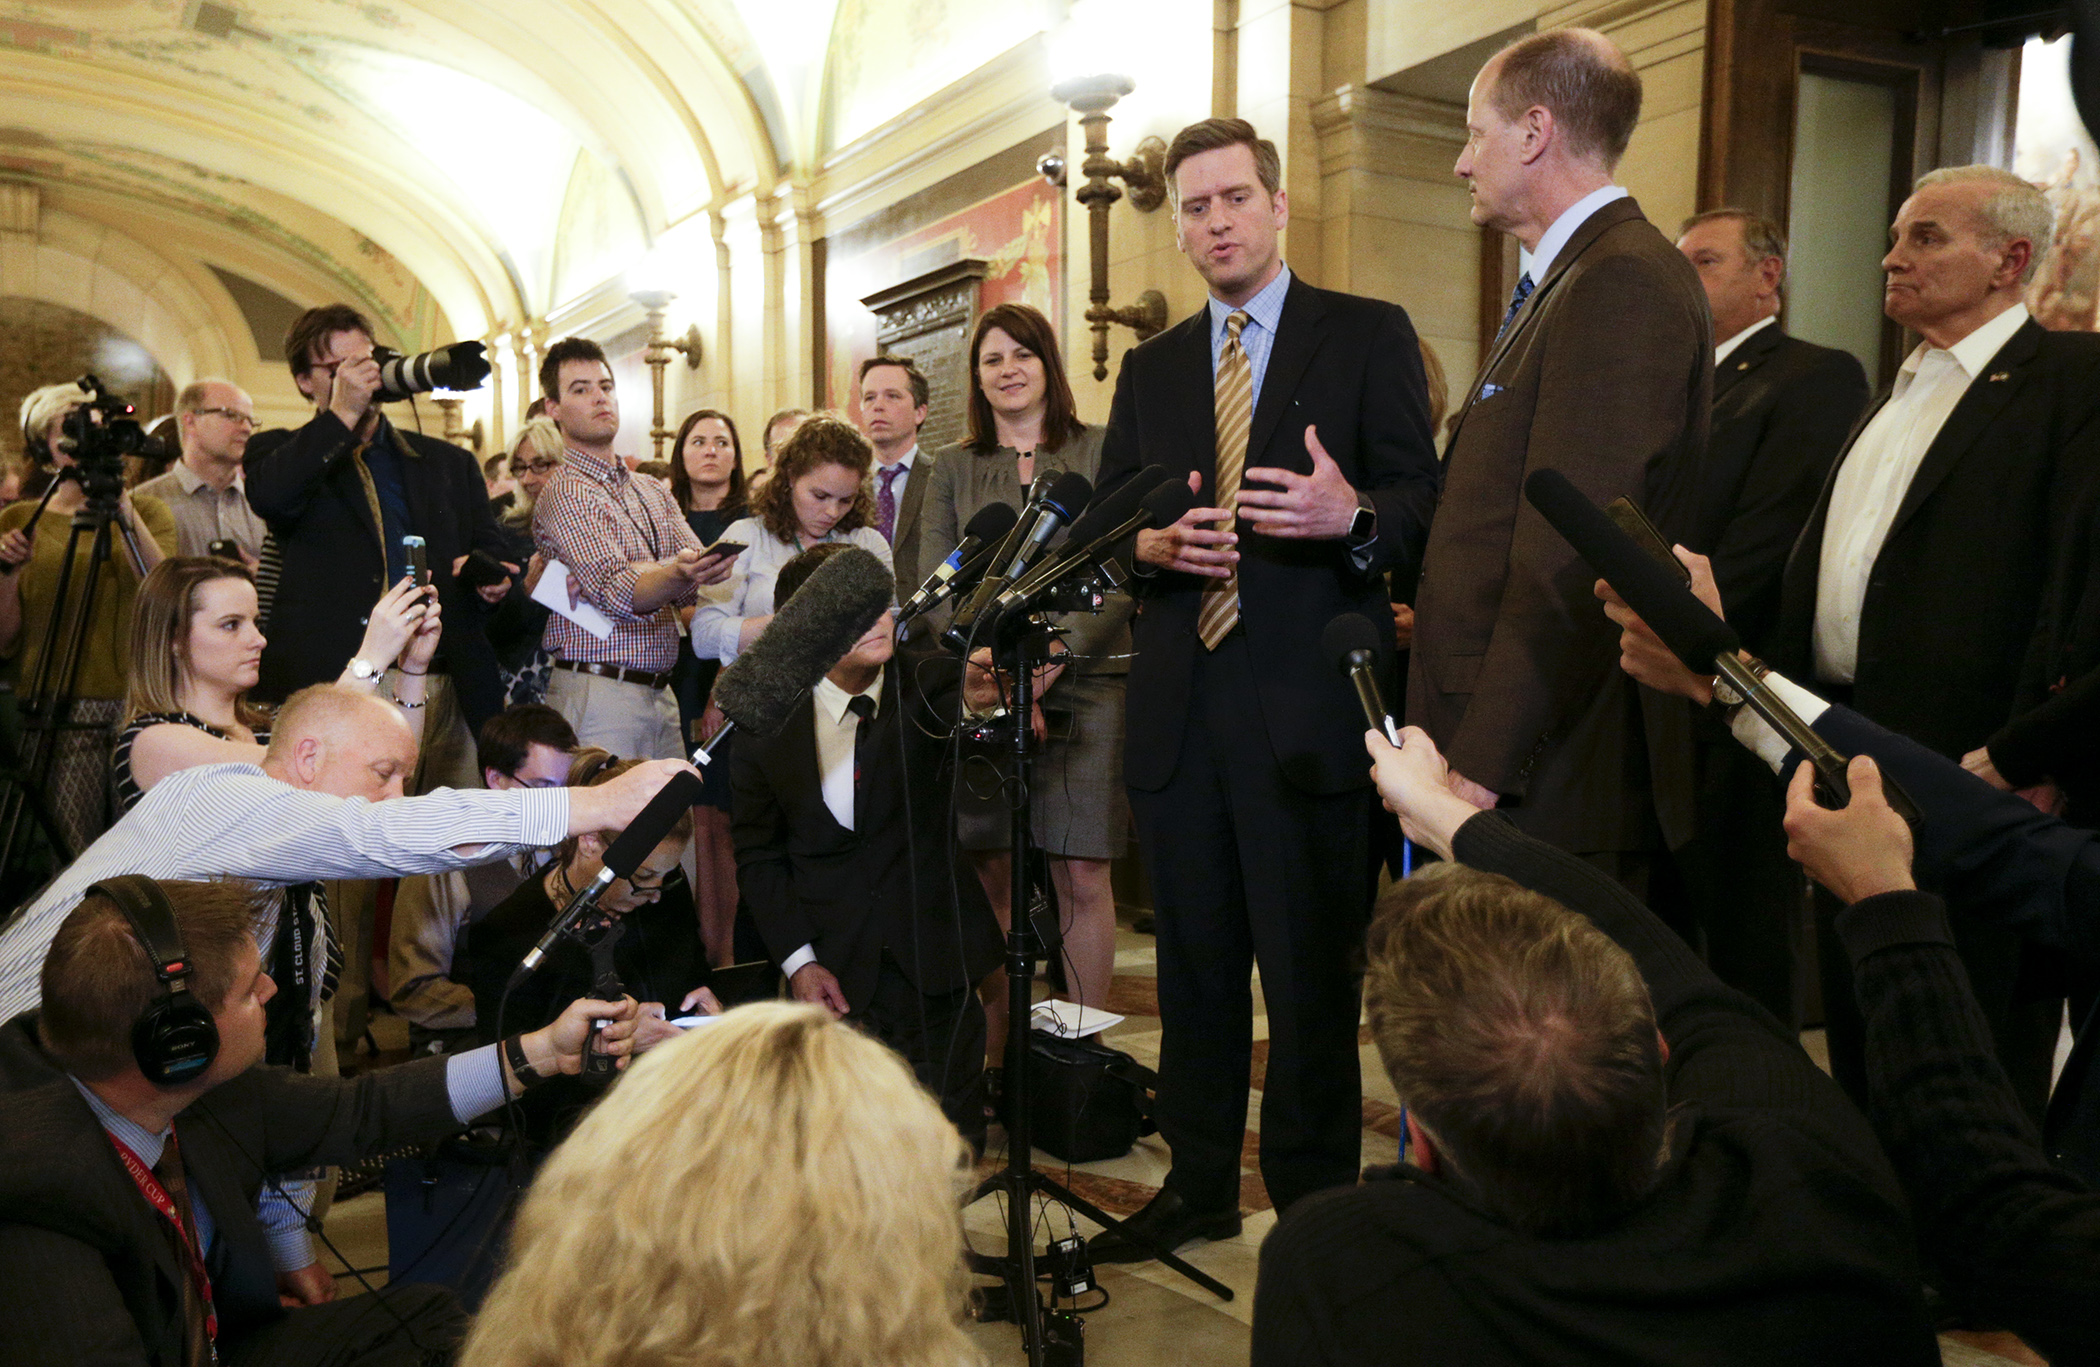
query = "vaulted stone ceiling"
{"x": 412, "y": 156}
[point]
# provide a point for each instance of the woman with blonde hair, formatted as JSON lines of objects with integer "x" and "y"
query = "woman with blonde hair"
{"x": 519, "y": 621}
{"x": 773, "y": 1188}
{"x": 196, "y": 652}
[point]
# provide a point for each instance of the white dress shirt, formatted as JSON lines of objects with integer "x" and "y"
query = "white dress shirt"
{"x": 1877, "y": 473}
{"x": 837, "y": 728}
{"x": 1536, "y": 263}
{"x": 1722, "y": 349}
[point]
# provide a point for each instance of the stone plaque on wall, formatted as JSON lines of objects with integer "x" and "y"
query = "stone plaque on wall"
{"x": 928, "y": 318}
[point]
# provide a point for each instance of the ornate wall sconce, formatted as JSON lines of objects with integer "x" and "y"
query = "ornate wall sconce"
{"x": 657, "y": 355}
{"x": 1091, "y": 97}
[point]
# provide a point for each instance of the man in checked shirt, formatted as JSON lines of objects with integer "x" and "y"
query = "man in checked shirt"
{"x": 629, "y": 553}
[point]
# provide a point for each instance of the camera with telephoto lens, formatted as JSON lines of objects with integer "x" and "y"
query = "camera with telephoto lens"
{"x": 98, "y": 435}
{"x": 463, "y": 365}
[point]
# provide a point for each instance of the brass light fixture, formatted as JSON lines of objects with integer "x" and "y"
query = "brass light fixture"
{"x": 657, "y": 354}
{"x": 1091, "y": 97}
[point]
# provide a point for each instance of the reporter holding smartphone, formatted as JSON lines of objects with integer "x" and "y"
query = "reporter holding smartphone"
{"x": 339, "y": 494}
{"x": 629, "y": 553}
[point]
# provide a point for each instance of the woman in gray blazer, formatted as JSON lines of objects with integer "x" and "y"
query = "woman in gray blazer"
{"x": 1023, "y": 422}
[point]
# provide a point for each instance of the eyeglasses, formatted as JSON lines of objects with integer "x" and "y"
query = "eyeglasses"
{"x": 538, "y": 467}
{"x": 238, "y": 419}
{"x": 648, "y": 880}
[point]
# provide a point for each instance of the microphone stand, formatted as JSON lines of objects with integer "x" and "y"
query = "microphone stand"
{"x": 1025, "y": 652}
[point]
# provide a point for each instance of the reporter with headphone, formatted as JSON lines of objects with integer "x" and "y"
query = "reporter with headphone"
{"x": 137, "y": 1128}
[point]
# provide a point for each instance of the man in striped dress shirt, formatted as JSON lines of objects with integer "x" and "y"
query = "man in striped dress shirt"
{"x": 629, "y": 554}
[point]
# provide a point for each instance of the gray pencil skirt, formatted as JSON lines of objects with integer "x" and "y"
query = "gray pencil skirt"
{"x": 1082, "y": 810}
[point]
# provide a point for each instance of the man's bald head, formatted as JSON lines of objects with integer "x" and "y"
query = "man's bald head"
{"x": 342, "y": 741}
{"x": 1579, "y": 76}
{"x": 215, "y": 418}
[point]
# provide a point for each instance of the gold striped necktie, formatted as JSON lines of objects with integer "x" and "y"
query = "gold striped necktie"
{"x": 1235, "y": 405}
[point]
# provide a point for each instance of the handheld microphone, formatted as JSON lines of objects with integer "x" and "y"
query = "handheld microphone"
{"x": 1140, "y": 504}
{"x": 1066, "y": 500}
{"x": 1352, "y": 642}
{"x": 810, "y": 633}
{"x": 1694, "y": 633}
{"x": 966, "y": 564}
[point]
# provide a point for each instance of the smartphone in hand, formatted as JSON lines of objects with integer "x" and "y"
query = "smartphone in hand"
{"x": 418, "y": 560}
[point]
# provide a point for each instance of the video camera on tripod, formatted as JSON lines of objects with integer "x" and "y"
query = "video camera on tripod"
{"x": 98, "y": 435}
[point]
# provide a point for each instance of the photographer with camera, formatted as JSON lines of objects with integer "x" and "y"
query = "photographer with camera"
{"x": 33, "y": 544}
{"x": 340, "y": 493}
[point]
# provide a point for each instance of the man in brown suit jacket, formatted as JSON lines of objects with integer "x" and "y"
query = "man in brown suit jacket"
{"x": 1603, "y": 370}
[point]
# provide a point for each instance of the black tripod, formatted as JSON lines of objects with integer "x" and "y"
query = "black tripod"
{"x": 1027, "y": 651}
{"x": 48, "y": 697}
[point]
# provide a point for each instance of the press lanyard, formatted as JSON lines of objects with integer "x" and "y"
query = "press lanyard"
{"x": 150, "y": 1187}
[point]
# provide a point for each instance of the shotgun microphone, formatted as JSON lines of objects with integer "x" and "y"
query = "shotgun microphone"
{"x": 811, "y": 632}
{"x": 1139, "y": 504}
{"x": 1695, "y": 634}
{"x": 1352, "y": 642}
{"x": 966, "y": 564}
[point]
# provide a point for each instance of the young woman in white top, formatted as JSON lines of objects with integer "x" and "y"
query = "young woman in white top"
{"x": 818, "y": 492}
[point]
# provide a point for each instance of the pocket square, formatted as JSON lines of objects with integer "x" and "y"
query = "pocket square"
{"x": 1491, "y": 389}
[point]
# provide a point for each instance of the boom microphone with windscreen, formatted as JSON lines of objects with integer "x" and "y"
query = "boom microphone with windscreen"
{"x": 1352, "y": 642}
{"x": 811, "y": 632}
{"x": 1694, "y": 633}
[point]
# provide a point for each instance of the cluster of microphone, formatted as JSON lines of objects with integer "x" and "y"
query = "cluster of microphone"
{"x": 1004, "y": 571}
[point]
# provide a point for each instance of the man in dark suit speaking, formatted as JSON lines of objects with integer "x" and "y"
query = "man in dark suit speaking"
{"x": 1603, "y": 371}
{"x": 1301, "y": 416}
{"x": 1782, "y": 411}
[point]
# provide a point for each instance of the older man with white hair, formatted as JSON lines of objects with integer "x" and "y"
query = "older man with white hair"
{"x": 1913, "y": 592}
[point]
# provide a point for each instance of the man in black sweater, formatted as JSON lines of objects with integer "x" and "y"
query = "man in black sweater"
{"x": 1711, "y": 1196}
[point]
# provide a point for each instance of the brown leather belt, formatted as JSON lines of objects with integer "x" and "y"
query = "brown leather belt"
{"x": 620, "y": 673}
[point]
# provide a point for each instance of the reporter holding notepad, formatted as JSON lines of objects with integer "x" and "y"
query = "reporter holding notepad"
{"x": 627, "y": 546}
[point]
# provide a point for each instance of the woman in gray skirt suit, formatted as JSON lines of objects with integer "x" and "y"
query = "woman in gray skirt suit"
{"x": 1023, "y": 422}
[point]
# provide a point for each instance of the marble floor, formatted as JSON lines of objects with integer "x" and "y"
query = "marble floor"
{"x": 1154, "y": 1317}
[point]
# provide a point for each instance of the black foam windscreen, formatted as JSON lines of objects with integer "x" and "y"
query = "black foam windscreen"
{"x": 993, "y": 521}
{"x": 1116, "y": 506}
{"x": 1687, "y": 626}
{"x": 1347, "y": 634}
{"x": 809, "y": 634}
{"x": 1169, "y": 502}
{"x": 1069, "y": 494}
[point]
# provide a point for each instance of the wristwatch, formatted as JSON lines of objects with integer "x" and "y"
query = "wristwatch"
{"x": 1724, "y": 692}
{"x": 521, "y": 1067}
{"x": 364, "y": 671}
{"x": 1363, "y": 528}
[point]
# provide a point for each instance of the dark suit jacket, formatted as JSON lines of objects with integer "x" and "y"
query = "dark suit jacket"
{"x": 1353, "y": 368}
{"x": 304, "y": 484}
{"x": 1783, "y": 409}
{"x": 1605, "y": 374}
{"x": 91, "y": 1277}
{"x": 894, "y": 881}
{"x": 1952, "y": 603}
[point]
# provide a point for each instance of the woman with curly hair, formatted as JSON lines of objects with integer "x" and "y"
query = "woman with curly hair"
{"x": 818, "y": 492}
{"x": 771, "y": 1189}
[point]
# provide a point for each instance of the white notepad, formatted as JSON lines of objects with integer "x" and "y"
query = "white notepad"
{"x": 553, "y": 590}
{"x": 1070, "y": 1020}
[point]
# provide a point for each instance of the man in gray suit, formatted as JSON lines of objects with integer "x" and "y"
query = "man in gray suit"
{"x": 893, "y": 402}
{"x": 1603, "y": 370}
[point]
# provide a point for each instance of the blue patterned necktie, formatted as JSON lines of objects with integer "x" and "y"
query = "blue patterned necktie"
{"x": 1517, "y": 297}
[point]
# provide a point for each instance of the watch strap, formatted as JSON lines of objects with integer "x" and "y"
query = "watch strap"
{"x": 520, "y": 1066}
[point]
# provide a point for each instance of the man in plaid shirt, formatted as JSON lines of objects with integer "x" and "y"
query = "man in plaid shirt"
{"x": 629, "y": 554}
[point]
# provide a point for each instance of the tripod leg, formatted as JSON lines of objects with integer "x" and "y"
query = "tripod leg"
{"x": 1057, "y": 1191}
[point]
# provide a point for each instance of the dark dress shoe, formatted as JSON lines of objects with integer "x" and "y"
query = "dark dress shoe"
{"x": 1167, "y": 1223}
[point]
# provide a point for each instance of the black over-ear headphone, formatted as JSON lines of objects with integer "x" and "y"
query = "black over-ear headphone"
{"x": 175, "y": 1038}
